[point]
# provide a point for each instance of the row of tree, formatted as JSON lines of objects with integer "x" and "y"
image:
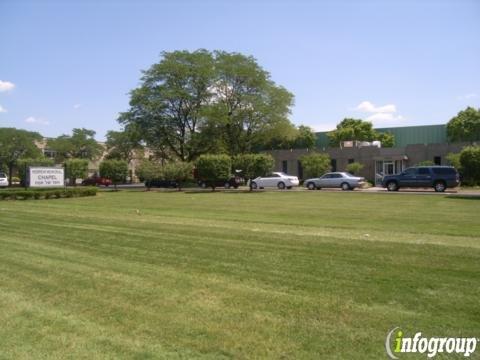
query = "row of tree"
{"x": 192, "y": 103}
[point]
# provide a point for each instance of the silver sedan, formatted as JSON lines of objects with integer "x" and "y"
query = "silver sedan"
{"x": 342, "y": 180}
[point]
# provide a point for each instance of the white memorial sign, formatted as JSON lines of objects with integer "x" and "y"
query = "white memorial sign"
{"x": 46, "y": 177}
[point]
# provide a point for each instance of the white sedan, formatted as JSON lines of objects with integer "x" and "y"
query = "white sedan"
{"x": 277, "y": 179}
{"x": 3, "y": 180}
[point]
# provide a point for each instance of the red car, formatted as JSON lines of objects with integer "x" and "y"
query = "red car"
{"x": 97, "y": 180}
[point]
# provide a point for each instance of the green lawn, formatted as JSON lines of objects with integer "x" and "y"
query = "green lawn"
{"x": 235, "y": 275}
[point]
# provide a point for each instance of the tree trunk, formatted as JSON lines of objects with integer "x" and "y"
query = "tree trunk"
{"x": 10, "y": 170}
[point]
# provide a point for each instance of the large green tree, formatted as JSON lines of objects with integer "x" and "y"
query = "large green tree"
{"x": 168, "y": 106}
{"x": 465, "y": 126}
{"x": 305, "y": 138}
{"x": 195, "y": 102}
{"x": 81, "y": 145}
{"x": 356, "y": 129}
{"x": 16, "y": 144}
{"x": 247, "y": 107}
{"x": 123, "y": 145}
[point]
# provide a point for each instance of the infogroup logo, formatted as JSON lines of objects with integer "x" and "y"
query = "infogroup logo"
{"x": 431, "y": 346}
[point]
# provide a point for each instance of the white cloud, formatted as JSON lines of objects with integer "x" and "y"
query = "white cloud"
{"x": 468, "y": 96}
{"x": 367, "y": 106}
{"x": 6, "y": 85}
{"x": 77, "y": 106}
{"x": 34, "y": 120}
{"x": 2, "y": 109}
{"x": 323, "y": 127}
{"x": 380, "y": 115}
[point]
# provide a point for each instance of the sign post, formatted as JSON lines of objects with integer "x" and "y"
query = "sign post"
{"x": 44, "y": 177}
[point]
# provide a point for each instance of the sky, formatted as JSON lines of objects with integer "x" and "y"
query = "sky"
{"x": 70, "y": 64}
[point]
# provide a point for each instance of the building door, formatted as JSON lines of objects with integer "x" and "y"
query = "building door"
{"x": 300, "y": 169}
{"x": 388, "y": 168}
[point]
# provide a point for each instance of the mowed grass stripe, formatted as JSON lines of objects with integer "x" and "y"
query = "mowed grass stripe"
{"x": 306, "y": 209}
{"x": 143, "y": 223}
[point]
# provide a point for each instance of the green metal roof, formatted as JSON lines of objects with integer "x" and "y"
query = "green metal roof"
{"x": 425, "y": 134}
{"x": 406, "y": 135}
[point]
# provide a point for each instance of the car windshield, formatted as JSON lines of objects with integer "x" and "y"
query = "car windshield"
{"x": 2, "y": 175}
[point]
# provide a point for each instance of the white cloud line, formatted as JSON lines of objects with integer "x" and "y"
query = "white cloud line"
{"x": 367, "y": 106}
{"x": 77, "y": 106}
{"x": 468, "y": 96}
{"x": 34, "y": 120}
{"x": 6, "y": 86}
{"x": 2, "y": 109}
{"x": 378, "y": 115}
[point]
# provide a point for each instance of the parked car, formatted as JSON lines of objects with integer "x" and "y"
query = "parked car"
{"x": 161, "y": 183}
{"x": 234, "y": 182}
{"x": 276, "y": 179}
{"x": 438, "y": 177}
{"x": 3, "y": 180}
{"x": 97, "y": 180}
{"x": 342, "y": 180}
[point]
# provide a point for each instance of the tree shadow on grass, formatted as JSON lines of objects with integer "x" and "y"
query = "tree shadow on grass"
{"x": 463, "y": 197}
{"x": 222, "y": 191}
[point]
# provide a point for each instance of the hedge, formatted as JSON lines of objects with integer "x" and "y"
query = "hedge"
{"x": 47, "y": 193}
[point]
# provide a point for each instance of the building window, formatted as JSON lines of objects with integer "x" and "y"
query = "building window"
{"x": 300, "y": 169}
{"x": 351, "y": 161}
{"x": 49, "y": 153}
{"x": 437, "y": 160}
{"x": 285, "y": 166}
{"x": 333, "y": 164}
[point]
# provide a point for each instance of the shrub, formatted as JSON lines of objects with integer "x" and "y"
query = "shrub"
{"x": 212, "y": 168}
{"x": 180, "y": 172}
{"x": 315, "y": 164}
{"x": 46, "y": 193}
{"x": 76, "y": 168}
{"x": 470, "y": 165}
{"x": 454, "y": 160}
{"x": 253, "y": 165}
{"x": 354, "y": 168}
{"x": 148, "y": 170}
{"x": 115, "y": 170}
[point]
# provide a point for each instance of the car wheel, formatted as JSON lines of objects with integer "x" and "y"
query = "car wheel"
{"x": 311, "y": 186}
{"x": 281, "y": 185}
{"x": 392, "y": 186}
{"x": 226, "y": 185}
{"x": 345, "y": 186}
{"x": 439, "y": 186}
{"x": 254, "y": 185}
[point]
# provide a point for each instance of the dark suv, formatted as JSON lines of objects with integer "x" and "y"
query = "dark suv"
{"x": 438, "y": 177}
